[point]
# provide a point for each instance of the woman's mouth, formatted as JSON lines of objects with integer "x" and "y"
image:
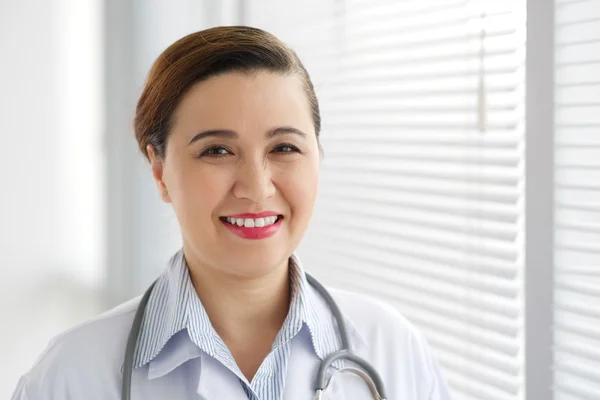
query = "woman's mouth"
{"x": 253, "y": 228}
{"x": 252, "y": 222}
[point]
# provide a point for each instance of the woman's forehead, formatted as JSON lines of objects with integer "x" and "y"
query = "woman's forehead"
{"x": 241, "y": 101}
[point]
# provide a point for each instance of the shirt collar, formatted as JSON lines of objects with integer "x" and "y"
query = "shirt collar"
{"x": 174, "y": 306}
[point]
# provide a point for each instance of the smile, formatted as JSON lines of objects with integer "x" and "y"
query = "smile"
{"x": 253, "y": 228}
{"x": 253, "y": 222}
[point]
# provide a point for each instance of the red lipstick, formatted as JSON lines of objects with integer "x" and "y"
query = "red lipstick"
{"x": 254, "y": 233}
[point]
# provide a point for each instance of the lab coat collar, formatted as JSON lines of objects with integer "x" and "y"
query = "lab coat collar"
{"x": 320, "y": 319}
{"x": 176, "y": 328}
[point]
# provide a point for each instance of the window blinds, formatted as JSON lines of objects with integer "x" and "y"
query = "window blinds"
{"x": 421, "y": 192}
{"x": 577, "y": 204}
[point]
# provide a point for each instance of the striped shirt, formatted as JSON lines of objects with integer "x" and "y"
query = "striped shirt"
{"x": 174, "y": 306}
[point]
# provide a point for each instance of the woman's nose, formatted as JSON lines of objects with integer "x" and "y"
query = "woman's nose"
{"x": 254, "y": 182}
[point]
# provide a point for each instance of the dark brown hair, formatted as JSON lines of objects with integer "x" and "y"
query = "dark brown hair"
{"x": 199, "y": 56}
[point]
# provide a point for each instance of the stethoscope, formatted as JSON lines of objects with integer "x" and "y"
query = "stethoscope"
{"x": 366, "y": 371}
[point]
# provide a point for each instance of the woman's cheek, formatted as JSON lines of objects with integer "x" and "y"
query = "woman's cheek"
{"x": 303, "y": 193}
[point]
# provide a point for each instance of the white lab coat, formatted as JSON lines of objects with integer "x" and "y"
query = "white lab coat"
{"x": 85, "y": 362}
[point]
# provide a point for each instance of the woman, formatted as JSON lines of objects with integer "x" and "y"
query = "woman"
{"x": 230, "y": 123}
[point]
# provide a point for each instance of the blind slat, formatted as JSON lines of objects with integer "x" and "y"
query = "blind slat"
{"x": 483, "y": 246}
{"x": 426, "y": 186}
{"x": 444, "y": 171}
{"x": 443, "y": 223}
{"x": 475, "y": 264}
{"x": 409, "y": 201}
{"x": 450, "y": 281}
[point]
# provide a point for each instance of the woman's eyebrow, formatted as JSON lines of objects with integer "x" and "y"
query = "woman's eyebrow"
{"x": 282, "y": 130}
{"x": 229, "y": 134}
{"x": 221, "y": 133}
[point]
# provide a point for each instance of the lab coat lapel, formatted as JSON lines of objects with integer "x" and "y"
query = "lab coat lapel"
{"x": 302, "y": 368}
{"x": 217, "y": 382}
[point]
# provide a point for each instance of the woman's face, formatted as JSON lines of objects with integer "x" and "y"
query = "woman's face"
{"x": 242, "y": 151}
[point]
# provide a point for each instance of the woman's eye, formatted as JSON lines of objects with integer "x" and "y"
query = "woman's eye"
{"x": 286, "y": 148}
{"x": 216, "y": 152}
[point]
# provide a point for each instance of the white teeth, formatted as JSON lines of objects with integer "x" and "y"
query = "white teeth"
{"x": 251, "y": 223}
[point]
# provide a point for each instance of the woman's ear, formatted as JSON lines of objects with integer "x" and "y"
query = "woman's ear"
{"x": 157, "y": 165}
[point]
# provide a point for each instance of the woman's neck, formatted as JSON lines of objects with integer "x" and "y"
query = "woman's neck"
{"x": 239, "y": 307}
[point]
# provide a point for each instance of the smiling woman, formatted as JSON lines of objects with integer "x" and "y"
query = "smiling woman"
{"x": 248, "y": 158}
{"x": 230, "y": 123}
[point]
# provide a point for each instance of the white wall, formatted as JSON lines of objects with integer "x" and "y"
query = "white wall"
{"x": 50, "y": 209}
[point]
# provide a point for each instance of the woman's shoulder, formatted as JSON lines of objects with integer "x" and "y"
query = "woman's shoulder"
{"x": 368, "y": 313}
{"x": 380, "y": 326}
{"x": 86, "y": 354}
{"x": 96, "y": 333}
{"x": 396, "y": 347}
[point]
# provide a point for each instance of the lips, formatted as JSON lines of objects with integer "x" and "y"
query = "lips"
{"x": 253, "y": 226}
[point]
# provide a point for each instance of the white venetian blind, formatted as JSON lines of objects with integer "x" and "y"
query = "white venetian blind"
{"x": 421, "y": 195}
{"x": 577, "y": 196}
